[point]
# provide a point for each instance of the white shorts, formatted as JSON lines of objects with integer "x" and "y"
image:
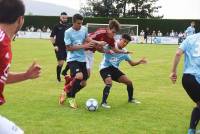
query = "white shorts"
{"x": 8, "y": 127}
{"x": 89, "y": 59}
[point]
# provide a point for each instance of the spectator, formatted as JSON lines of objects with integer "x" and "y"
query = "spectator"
{"x": 146, "y": 33}
{"x": 159, "y": 34}
{"x": 172, "y": 34}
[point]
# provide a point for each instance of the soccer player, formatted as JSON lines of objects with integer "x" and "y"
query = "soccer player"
{"x": 190, "y": 30}
{"x": 109, "y": 70}
{"x": 103, "y": 36}
{"x": 57, "y": 39}
{"x": 191, "y": 75}
{"x": 74, "y": 39}
{"x": 11, "y": 20}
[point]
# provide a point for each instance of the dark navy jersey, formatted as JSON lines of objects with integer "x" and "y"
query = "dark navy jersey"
{"x": 58, "y": 33}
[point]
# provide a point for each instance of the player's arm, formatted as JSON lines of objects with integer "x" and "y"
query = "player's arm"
{"x": 76, "y": 47}
{"x": 32, "y": 72}
{"x": 135, "y": 63}
{"x": 173, "y": 75}
{"x": 52, "y": 38}
{"x": 115, "y": 50}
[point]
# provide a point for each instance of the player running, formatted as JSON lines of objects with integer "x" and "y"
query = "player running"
{"x": 11, "y": 21}
{"x": 57, "y": 39}
{"x": 109, "y": 70}
{"x": 191, "y": 74}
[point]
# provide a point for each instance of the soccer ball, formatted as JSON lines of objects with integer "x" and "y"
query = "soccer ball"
{"x": 92, "y": 104}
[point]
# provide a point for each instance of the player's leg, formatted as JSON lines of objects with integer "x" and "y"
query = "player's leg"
{"x": 77, "y": 74}
{"x": 106, "y": 76}
{"x": 60, "y": 59}
{"x": 85, "y": 76}
{"x": 125, "y": 80}
{"x": 89, "y": 61}
{"x": 8, "y": 127}
{"x": 192, "y": 87}
{"x": 64, "y": 72}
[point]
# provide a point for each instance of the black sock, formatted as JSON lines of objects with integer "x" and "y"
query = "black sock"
{"x": 130, "y": 92}
{"x": 75, "y": 88}
{"x": 79, "y": 88}
{"x": 64, "y": 72}
{"x": 58, "y": 70}
{"x": 195, "y": 118}
{"x": 106, "y": 92}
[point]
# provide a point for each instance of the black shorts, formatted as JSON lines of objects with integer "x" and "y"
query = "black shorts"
{"x": 61, "y": 55}
{"x": 112, "y": 72}
{"x": 77, "y": 67}
{"x": 191, "y": 86}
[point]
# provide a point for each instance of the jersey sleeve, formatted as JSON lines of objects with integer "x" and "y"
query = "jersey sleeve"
{"x": 4, "y": 66}
{"x": 127, "y": 57}
{"x": 54, "y": 31}
{"x": 67, "y": 38}
{"x": 184, "y": 45}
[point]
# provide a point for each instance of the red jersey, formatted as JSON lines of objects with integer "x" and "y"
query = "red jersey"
{"x": 102, "y": 35}
{"x": 5, "y": 60}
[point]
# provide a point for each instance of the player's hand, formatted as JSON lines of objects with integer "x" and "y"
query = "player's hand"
{"x": 33, "y": 71}
{"x": 143, "y": 61}
{"x": 128, "y": 52}
{"x": 56, "y": 48}
{"x": 109, "y": 52}
{"x": 102, "y": 43}
{"x": 89, "y": 45}
{"x": 173, "y": 77}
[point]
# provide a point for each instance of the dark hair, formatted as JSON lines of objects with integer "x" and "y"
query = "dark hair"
{"x": 114, "y": 24}
{"x": 10, "y": 10}
{"x": 63, "y": 13}
{"x": 77, "y": 17}
{"x": 126, "y": 37}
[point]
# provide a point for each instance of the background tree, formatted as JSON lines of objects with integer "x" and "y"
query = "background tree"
{"x": 125, "y": 8}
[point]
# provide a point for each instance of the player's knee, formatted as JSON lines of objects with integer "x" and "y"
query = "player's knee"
{"x": 60, "y": 63}
{"x": 83, "y": 83}
{"x": 108, "y": 82}
{"x": 79, "y": 76}
{"x": 128, "y": 82}
{"x": 198, "y": 105}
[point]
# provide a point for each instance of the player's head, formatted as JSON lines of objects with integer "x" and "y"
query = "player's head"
{"x": 125, "y": 39}
{"x": 192, "y": 23}
{"x": 77, "y": 21}
{"x": 63, "y": 17}
{"x": 12, "y": 13}
{"x": 114, "y": 27}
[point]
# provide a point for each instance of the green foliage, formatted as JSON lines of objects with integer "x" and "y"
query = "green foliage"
{"x": 137, "y": 8}
{"x": 164, "y": 25}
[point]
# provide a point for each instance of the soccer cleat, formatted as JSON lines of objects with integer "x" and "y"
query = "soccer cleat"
{"x": 105, "y": 105}
{"x": 191, "y": 131}
{"x": 134, "y": 101}
{"x": 62, "y": 98}
{"x": 72, "y": 103}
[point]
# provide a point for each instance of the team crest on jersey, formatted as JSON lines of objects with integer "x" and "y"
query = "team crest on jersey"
{"x": 7, "y": 56}
{"x": 2, "y": 35}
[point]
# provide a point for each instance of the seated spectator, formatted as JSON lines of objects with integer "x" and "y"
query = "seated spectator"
{"x": 159, "y": 33}
{"x": 172, "y": 34}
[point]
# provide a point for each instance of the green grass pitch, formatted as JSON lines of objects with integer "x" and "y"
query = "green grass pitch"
{"x": 33, "y": 104}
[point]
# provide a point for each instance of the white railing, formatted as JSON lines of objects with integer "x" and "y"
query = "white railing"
{"x": 135, "y": 39}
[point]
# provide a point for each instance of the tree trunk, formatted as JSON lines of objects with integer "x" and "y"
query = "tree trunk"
{"x": 124, "y": 11}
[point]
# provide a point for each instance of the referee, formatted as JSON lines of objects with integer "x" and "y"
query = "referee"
{"x": 57, "y": 39}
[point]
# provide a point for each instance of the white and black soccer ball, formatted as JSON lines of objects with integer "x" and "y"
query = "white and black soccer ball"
{"x": 92, "y": 104}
